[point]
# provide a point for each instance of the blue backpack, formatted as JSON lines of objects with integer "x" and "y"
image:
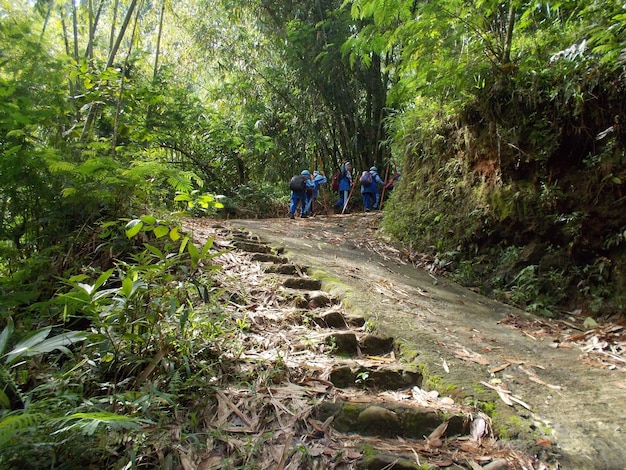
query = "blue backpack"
{"x": 366, "y": 178}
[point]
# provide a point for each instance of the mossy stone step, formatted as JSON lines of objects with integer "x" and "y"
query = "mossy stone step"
{"x": 379, "y": 377}
{"x": 246, "y": 237}
{"x": 302, "y": 283}
{"x": 387, "y": 462}
{"x": 389, "y": 420}
{"x": 269, "y": 258}
{"x": 338, "y": 320}
{"x": 287, "y": 269}
{"x": 347, "y": 343}
{"x": 252, "y": 247}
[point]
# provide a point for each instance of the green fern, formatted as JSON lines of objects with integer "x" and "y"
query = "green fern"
{"x": 10, "y": 392}
{"x": 12, "y": 425}
{"x": 88, "y": 423}
{"x": 184, "y": 181}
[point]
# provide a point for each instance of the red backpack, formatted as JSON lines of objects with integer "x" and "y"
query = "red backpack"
{"x": 334, "y": 182}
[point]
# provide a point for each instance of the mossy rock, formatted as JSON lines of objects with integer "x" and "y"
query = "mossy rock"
{"x": 319, "y": 299}
{"x": 297, "y": 299}
{"x": 331, "y": 320}
{"x": 392, "y": 379}
{"x": 376, "y": 345}
{"x": 252, "y": 247}
{"x": 387, "y": 462}
{"x": 344, "y": 343}
{"x": 342, "y": 377}
{"x": 302, "y": 283}
{"x": 269, "y": 258}
{"x": 390, "y": 420}
{"x": 287, "y": 269}
{"x": 378, "y": 421}
{"x": 354, "y": 321}
{"x": 378, "y": 378}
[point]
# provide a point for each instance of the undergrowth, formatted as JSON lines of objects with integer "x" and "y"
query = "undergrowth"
{"x": 128, "y": 354}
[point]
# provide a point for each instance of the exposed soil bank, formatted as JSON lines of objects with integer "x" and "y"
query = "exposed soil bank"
{"x": 459, "y": 337}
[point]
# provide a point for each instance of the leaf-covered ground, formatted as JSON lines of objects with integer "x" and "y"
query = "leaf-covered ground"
{"x": 277, "y": 419}
{"x": 559, "y": 382}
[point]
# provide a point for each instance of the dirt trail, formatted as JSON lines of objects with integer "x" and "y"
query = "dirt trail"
{"x": 460, "y": 336}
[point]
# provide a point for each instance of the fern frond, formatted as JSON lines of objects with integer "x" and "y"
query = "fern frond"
{"x": 180, "y": 182}
{"x": 88, "y": 423}
{"x": 61, "y": 167}
{"x": 11, "y": 393}
{"x": 69, "y": 192}
{"x": 11, "y": 425}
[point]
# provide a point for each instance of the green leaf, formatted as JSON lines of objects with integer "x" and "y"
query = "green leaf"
{"x": 155, "y": 251}
{"x": 127, "y": 287}
{"x": 183, "y": 245}
{"x": 5, "y": 403}
{"x": 6, "y": 334}
{"x": 193, "y": 252}
{"x": 102, "y": 279}
{"x": 38, "y": 344}
{"x": 133, "y": 227}
{"x": 207, "y": 246}
{"x": 89, "y": 422}
{"x": 161, "y": 231}
{"x": 24, "y": 347}
{"x": 11, "y": 424}
{"x": 148, "y": 219}
{"x": 174, "y": 235}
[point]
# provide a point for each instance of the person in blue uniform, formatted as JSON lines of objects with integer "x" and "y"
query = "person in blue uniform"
{"x": 300, "y": 185}
{"x": 345, "y": 183}
{"x": 318, "y": 179}
{"x": 369, "y": 192}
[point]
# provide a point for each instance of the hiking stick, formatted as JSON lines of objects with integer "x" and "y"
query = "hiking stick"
{"x": 382, "y": 197}
{"x": 321, "y": 167}
{"x": 325, "y": 202}
{"x": 345, "y": 204}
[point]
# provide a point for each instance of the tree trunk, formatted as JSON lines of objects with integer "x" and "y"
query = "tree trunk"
{"x": 509, "y": 35}
{"x": 45, "y": 23}
{"x": 93, "y": 25}
{"x": 75, "y": 26}
{"x": 158, "y": 45}
{"x": 112, "y": 54}
{"x": 118, "y": 106}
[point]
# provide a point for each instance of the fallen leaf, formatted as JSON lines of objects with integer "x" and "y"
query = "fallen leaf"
{"x": 438, "y": 432}
{"x": 499, "y": 368}
{"x": 544, "y": 442}
{"x": 471, "y": 357}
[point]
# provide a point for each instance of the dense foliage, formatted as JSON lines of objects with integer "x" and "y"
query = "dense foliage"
{"x": 528, "y": 153}
{"x": 506, "y": 118}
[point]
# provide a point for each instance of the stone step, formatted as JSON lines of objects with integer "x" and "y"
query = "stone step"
{"x": 302, "y": 283}
{"x": 349, "y": 343}
{"x": 374, "y": 377}
{"x": 389, "y": 419}
{"x": 269, "y": 258}
{"x": 252, "y": 247}
{"x": 287, "y": 269}
{"x": 336, "y": 319}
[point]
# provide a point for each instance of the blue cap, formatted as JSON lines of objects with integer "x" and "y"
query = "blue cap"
{"x": 305, "y": 173}
{"x": 373, "y": 169}
{"x": 315, "y": 173}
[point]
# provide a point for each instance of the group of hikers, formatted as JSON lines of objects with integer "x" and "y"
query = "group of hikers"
{"x": 305, "y": 188}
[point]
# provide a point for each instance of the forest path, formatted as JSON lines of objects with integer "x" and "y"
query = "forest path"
{"x": 576, "y": 411}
